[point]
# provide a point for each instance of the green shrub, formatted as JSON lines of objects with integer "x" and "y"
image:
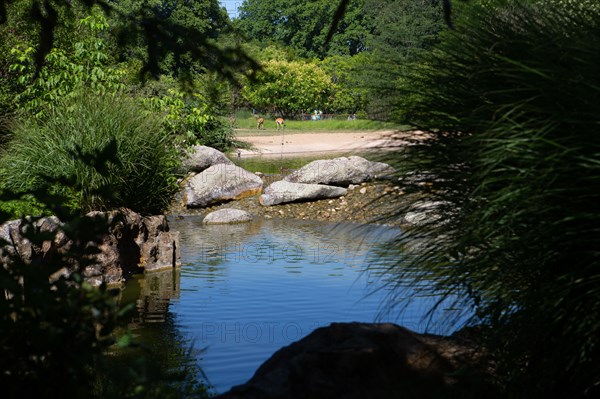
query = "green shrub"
{"x": 191, "y": 120}
{"x": 140, "y": 174}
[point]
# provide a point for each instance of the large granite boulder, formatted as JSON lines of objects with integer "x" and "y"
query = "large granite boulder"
{"x": 341, "y": 171}
{"x": 363, "y": 360}
{"x": 201, "y": 157}
{"x": 124, "y": 242}
{"x": 220, "y": 183}
{"x": 283, "y": 191}
{"x": 226, "y": 216}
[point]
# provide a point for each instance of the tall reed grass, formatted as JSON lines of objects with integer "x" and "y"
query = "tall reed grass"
{"x": 513, "y": 97}
{"x": 114, "y": 153}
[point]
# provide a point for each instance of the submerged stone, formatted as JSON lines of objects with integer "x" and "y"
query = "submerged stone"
{"x": 226, "y": 216}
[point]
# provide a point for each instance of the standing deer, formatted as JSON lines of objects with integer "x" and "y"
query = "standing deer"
{"x": 232, "y": 120}
{"x": 280, "y": 123}
{"x": 260, "y": 121}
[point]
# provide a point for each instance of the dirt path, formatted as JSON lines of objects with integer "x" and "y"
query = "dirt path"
{"x": 289, "y": 143}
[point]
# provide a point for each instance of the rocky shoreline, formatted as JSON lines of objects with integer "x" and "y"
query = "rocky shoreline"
{"x": 371, "y": 202}
{"x": 214, "y": 183}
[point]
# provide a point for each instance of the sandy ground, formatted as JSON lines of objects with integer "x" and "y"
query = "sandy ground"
{"x": 289, "y": 144}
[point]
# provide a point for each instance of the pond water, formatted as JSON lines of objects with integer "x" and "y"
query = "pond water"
{"x": 244, "y": 291}
{"x": 276, "y": 164}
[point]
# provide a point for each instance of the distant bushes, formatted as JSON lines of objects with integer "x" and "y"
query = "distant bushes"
{"x": 98, "y": 152}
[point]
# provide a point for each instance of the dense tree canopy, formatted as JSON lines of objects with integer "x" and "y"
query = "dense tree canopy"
{"x": 170, "y": 33}
{"x": 304, "y": 25}
{"x": 205, "y": 18}
{"x": 403, "y": 31}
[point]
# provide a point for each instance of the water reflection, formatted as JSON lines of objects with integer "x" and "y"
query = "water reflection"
{"x": 246, "y": 290}
{"x": 161, "y": 359}
{"x": 154, "y": 292}
{"x": 249, "y": 289}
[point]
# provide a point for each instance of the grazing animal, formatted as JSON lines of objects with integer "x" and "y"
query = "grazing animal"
{"x": 232, "y": 121}
{"x": 261, "y": 120}
{"x": 280, "y": 123}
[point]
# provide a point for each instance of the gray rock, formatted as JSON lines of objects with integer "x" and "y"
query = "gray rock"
{"x": 425, "y": 212}
{"x": 220, "y": 183}
{"x": 12, "y": 236}
{"x": 130, "y": 241}
{"x": 226, "y": 216}
{"x": 363, "y": 360}
{"x": 201, "y": 157}
{"x": 282, "y": 191}
{"x": 341, "y": 171}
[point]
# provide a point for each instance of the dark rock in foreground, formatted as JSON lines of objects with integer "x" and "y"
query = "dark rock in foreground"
{"x": 130, "y": 242}
{"x": 362, "y": 360}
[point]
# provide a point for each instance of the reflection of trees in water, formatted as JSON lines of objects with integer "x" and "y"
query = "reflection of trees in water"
{"x": 209, "y": 251}
{"x": 152, "y": 293}
{"x": 164, "y": 360}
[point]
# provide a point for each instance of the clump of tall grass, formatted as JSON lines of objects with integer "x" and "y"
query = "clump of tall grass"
{"x": 112, "y": 153}
{"x": 513, "y": 96}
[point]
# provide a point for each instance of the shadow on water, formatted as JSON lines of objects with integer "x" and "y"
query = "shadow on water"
{"x": 160, "y": 361}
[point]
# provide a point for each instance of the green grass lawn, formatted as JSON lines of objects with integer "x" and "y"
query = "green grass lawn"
{"x": 246, "y": 125}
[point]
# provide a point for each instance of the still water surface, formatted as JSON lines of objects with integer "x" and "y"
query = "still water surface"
{"x": 244, "y": 291}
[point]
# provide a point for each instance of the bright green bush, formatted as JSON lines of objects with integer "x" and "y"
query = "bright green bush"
{"x": 191, "y": 121}
{"x": 142, "y": 158}
{"x": 288, "y": 88}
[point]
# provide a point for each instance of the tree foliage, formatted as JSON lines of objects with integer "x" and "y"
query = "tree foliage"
{"x": 205, "y": 19}
{"x": 167, "y": 31}
{"x": 191, "y": 119}
{"x": 403, "y": 30}
{"x": 349, "y": 92}
{"x": 303, "y": 25}
{"x": 70, "y": 69}
{"x": 288, "y": 88}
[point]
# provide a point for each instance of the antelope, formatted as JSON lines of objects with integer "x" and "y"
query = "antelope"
{"x": 232, "y": 120}
{"x": 261, "y": 120}
{"x": 280, "y": 123}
